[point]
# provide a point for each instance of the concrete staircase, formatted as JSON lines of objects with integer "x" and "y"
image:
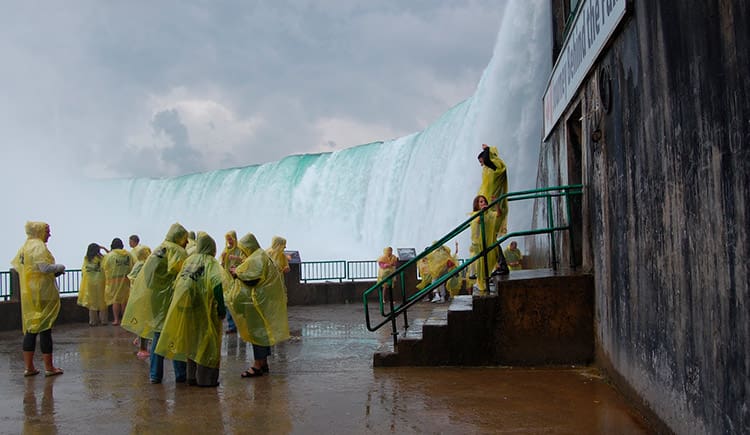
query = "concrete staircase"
{"x": 534, "y": 319}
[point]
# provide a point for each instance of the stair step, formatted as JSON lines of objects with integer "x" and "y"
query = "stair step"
{"x": 462, "y": 303}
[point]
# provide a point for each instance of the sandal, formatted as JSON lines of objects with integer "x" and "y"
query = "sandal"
{"x": 252, "y": 372}
{"x": 54, "y": 372}
{"x": 27, "y": 373}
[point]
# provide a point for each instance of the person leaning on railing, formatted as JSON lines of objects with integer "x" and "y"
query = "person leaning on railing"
{"x": 40, "y": 297}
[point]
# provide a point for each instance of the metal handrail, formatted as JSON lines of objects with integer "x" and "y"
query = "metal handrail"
{"x": 5, "y": 285}
{"x": 407, "y": 301}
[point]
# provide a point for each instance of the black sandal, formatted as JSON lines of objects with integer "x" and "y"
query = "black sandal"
{"x": 252, "y": 372}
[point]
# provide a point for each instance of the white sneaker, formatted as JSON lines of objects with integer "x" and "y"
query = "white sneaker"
{"x": 435, "y": 299}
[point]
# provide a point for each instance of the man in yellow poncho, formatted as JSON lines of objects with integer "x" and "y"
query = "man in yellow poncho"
{"x": 152, "y": 294}
{"x": 40, "y": 297}
{"x": 117, "y": 264}
{"x": 276, "y": 252}
{"x": 192, "y": 329}
{"x": 91, "y": 291}
{"x": 494, "y": 185}
{"x": 257, "y": 300}
{"x": 231, "y": 257}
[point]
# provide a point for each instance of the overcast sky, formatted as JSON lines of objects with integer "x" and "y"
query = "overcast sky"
{"x": 143, "y": 88}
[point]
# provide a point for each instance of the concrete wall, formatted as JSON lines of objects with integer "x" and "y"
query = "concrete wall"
{"x": 666, "y": 209}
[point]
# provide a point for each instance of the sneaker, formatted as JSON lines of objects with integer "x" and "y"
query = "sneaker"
{"x": 155, "y": 381}
{"x": 435, "y": 299}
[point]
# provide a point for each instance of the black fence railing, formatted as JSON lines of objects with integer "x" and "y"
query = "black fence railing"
{"x": 310, "y": 271}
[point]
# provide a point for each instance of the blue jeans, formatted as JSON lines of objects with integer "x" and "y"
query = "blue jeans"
{"x": 157, "y": 364}
{"x": 230, "y": 322}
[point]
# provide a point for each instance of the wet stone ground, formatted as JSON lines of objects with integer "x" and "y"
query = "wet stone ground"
{"x": 322, "y": 381}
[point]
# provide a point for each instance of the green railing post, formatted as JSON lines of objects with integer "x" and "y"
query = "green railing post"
{"x": 551, "y": 223}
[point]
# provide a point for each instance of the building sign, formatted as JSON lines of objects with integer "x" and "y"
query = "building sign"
{"x": 593, "y": 26}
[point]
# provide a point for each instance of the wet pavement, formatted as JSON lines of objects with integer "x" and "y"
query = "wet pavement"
{"x": 320, "y": 381}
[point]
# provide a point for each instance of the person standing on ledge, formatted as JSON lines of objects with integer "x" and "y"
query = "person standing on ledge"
{"x": 495, "y": 185}
{"x": 40, "y": 297}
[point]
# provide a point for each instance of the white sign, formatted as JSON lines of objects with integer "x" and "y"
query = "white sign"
{"x": 594, "y": 24}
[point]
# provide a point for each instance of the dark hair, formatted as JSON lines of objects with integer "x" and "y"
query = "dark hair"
{"x": 116, "y": 243}
{"x": 485, "y": 156}
{"x": 92, "y": 251}
{"x": 135, "y": 238}
{"x": 476, "y": 202}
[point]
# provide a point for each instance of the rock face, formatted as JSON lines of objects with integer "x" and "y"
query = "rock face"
{"x": 660, "y": 136}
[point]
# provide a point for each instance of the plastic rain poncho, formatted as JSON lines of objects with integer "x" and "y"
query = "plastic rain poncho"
{"x": 91, "y": 292}
{"x": 140, "y": 253}
{"x": 193, "y": 328}
{"x": 257, "y": 300}
{"x": 494, "y": 185}
{"x": 386, "y": 263}
{"x": 490, "y": 222}
{"x": 232, "y": 255}
{"x": 276, "y": 252}
{"x": 439, "y": 262}
{"x": 117, "y": 264}
{"x": 153, "y": 287}
{"x": 40, "y": 298}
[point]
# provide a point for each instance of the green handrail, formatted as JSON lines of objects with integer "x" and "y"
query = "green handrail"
{"x": 395, "y": 310}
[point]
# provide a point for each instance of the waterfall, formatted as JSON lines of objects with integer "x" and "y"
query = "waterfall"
{"x": 349, "y": 204}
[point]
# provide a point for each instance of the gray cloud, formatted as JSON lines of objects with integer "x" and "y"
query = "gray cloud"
{"x": 239, "y": 82}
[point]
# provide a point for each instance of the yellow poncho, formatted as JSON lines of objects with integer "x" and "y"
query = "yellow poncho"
{"x": 386, "y": 263}
{"x": 117, "y": 264}
{"x": 494, "y": 185}
{"x": 232, "y": 255}
{"x": 91, "y": 292}
{"x": 192, "y": 329}
{"x": 513, "y": 257}
{"x": 40, "y": 298}
{"x": 490, "y": 219}
{"x": 257, "y": 300}
{"x": 439, "y": 262}
{"x": 276, "y": 252}
{"x": 153, "y": 287}
{"x": 140, "y": 253}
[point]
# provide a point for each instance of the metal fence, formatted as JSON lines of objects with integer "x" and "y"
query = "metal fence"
{"x": 335, "y": 270}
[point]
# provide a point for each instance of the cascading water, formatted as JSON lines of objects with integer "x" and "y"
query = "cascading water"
{"x": 351, "y": 203}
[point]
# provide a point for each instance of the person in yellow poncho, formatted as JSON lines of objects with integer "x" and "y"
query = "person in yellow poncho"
{"x": 192, "y": 329}
{"x": 387, "y": 264}
{"x": 494, "y": 185}
{"x": 513, "y": 256}
{"x": 276, "y": 252}
{"x": 40, "y": 297}
{"x": 91, "y": 291}
{"x": 257, "y": 300}
{"x": 490, "y": 219}
{"x": 117, "y": 264}
{"x": 152, "y": 294}
{"x": 190, "y": 247}
{"x": 139, "y": 253}
{"x": 439, "y": 262}
{"x": 231, "y": 257}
